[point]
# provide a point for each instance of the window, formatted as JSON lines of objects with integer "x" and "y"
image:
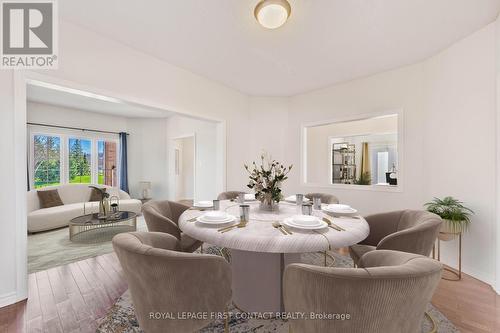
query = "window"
{"x": 80, "y": 154}
{"x": 46, "y": 160}
{"x": 68, "y": 157}
{"x": 106, "y": 162}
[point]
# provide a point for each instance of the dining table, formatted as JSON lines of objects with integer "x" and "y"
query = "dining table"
{"x": 260, "y": 251}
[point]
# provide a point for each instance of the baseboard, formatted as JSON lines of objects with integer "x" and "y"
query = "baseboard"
{"x": 11, "y": 298}
{"x": 481, "y": 276}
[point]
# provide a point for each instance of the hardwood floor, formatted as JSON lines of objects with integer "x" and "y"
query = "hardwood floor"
{"x": 71, "y": 298}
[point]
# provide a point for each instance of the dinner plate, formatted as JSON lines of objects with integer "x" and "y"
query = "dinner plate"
{"x": 204, "y": 204}
{"x": 293, "y": 199}
{"x": 340, "y": 210}
{"x": 290, "y": 223}
{"x": 250, "y": 197}
{"x": 305, "y": 220}
{"x": 229, "y": 218}
{"x": 215, "y": 215}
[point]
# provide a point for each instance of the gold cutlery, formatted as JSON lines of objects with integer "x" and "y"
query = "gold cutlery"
{"x": 332, "y": 225}
{"x": 286, "y": 229}
{"x": 278, "y": 226}
{"x": 242, "y": 224}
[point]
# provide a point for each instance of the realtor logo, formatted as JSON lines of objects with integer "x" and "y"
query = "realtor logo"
{"x": 29, "y": 34}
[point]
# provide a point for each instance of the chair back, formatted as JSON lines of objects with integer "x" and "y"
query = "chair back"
{"x": 229, "y": 195}
{"x": 388, "y": 293}
{"x": 325, "y": 197}
{"x": 163, "y": 280}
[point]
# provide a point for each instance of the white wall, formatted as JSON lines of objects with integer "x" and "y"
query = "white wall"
{"x": 449, "y": 115}
{"x": 207, "y": 168}
{"x": 147, "y": 156}
{"x": 62, "y": 116}
{"x": 459, "y": 91}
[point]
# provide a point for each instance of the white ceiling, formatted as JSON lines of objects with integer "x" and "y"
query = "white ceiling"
{"x": 81, "y": 100}
{"x": 324, "y": 42}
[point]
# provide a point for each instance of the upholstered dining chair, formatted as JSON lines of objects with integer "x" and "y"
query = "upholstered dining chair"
{"x": 229, "y": 195}
{"x": 163, "y": 216}
{"x": 413, "y": 231}
{"x": 325, "y": 197}
{"x": 163, "y": 280}
{"x": 388, "y": 293}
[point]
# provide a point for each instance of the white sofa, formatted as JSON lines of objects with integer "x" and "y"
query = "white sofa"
{"x": 73, "y": 196}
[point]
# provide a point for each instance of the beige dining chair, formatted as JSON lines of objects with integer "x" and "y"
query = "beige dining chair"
{"x": 163, "y": 280}
{"x": 413, "y": 231}
{"x": 325, "y": 197}
{"x": 388, "y": 293}
{"x": 229, "y": 195}
{"x": 163, "y": 216}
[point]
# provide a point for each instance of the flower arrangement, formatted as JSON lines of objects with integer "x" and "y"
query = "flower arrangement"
{"x": 266, "y": 180}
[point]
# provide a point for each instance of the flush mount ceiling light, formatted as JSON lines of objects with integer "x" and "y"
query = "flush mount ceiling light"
{"x": 272, "y": 14}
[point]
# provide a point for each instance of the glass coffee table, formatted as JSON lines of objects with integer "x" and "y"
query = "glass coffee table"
{"x": 91, "y": 229}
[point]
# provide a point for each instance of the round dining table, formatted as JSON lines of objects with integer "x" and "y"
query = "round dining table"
{"x": 260, "y": 252}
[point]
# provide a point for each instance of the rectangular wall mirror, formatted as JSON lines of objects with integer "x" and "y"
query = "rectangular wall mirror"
{"x": 360, "y": 152}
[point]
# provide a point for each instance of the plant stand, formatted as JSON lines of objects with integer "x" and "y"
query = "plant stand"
{"x": 456, "y": 275}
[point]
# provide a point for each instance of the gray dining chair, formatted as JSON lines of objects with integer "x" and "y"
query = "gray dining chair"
{"x": 389, "y": 293}
{"x": 413, "y": 231}
{"x": 229, "y": 195}
{"x": 325, "y": 197}
{"x": 163, "y": 216}
{"x": 163, "y": 280}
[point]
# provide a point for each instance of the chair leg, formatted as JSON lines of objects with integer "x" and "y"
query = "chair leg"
{"x": 201, "y": 248}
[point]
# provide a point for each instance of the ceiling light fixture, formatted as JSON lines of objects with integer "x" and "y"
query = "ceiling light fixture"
{"x": 272, "y": 14}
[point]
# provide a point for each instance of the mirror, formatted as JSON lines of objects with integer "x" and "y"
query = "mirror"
{"x": 356, "y": 152}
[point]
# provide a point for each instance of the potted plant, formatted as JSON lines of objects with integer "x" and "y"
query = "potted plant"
{"x": 266, "y": 180}
{"x": 455, "y": 215}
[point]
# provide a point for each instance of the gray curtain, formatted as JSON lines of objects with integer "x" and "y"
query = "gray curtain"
{"x": 123, "y": 162}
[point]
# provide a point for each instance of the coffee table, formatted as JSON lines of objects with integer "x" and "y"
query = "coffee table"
{"x": 91, "y": 229}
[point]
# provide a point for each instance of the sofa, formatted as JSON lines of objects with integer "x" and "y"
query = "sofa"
{"x": 73, "y": 197}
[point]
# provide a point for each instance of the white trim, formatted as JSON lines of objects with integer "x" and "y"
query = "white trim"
{"x": 11, "y": 298}
{"x": 377, "y": 188}
{"x": 185, "y": 136}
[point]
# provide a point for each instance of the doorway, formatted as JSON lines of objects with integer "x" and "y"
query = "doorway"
{"x": 185, "y": 166}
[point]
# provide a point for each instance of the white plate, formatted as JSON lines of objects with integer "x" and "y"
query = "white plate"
{"x": 340, "y": 210}
{"x": 215, "y": 215}
{"x": 250, "y": 197}
{"x": 305, "y": 220}
{"x": 298, "y": 225}
{"x": 230, "y": 218}
{"x": 293, "y": 199}
{"x": 204, "y": 204}
{"x": 290, "y": 223}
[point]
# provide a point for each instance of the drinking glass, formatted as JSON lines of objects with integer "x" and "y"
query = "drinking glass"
{"x": 306, "y": 209}
{"x": 317, "y": 203}
{"x": 244, "y": 213}
{"x": 241, "y": 198}
{"x": 299, "y": 199}
{"x": 216, "y": 204}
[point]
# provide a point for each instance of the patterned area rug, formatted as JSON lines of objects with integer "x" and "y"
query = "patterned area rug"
{"x": 121, "y": 317}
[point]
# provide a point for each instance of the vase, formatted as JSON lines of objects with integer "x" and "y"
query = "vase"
{"x": 269, "y": 205}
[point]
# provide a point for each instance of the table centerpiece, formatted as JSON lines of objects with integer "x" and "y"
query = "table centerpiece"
{"x": 266, "y": 180}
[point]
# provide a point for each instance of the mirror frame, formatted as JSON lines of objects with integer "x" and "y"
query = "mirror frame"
{"x": 348, "y": 118}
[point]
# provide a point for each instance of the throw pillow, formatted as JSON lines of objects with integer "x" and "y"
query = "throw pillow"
{"x": 95, "y": 195}
{"x": 49, "y": 198}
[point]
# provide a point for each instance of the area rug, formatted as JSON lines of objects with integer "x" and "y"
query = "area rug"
{"x": 53, "y": 248}
{"x": 121, "y": 317}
